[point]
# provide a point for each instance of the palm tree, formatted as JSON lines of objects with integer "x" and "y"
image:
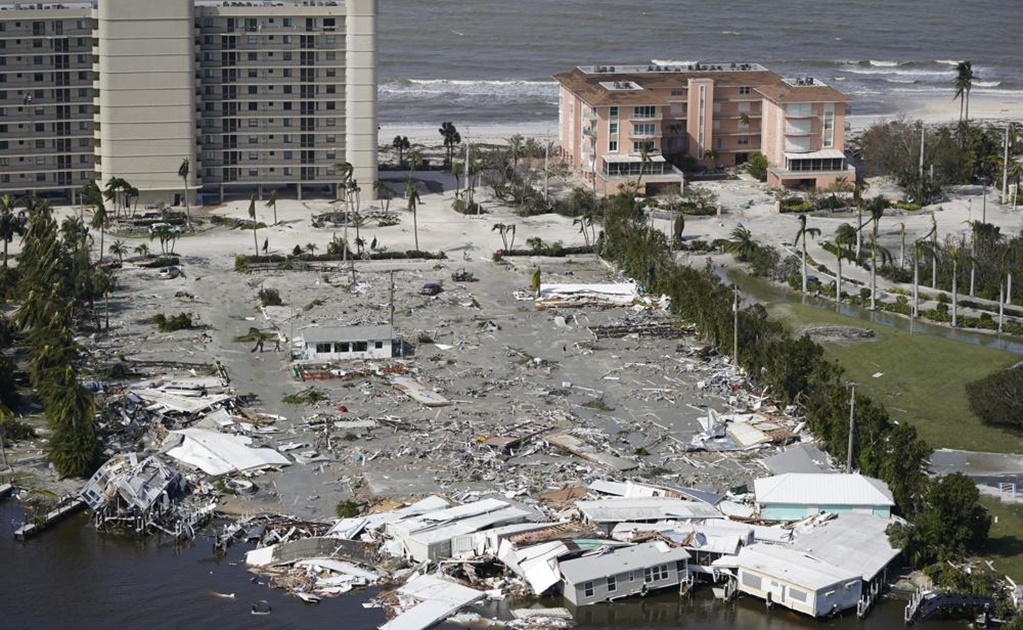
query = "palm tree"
{"x": 902, "y": 247}
{"x": 954, "y": 252}
{"x": 183, "y": 171}
{"x": 142, "y": 250}
{"x": 401, "y": 144}
{"x": 272, "y": 203}
{"x": 678, "y": 227}
{"x": 384, "y": 193}
{"x": 516, "y": 150}
{"x": 801, "y": 235}
{"x": 876, "y": 207}
{"x": 511, "y": 240}
{"x": 100, "y": 220}
{"x": 581, "y": 222}
{"x": 858, "y": 200}
{"x": 413, "y": 206}
{"x": 119, "y": 249}
{"x": 502, "y": 230}
{"x": 415, "y": 160}
{"x": 644, "y": 161}
{"x": 451, "y": 139}
{"x": 963, "y": 84}
{"x": 252, "y": 215}
{"x": 112, "y": 192}
{"x": 845, "y": 236}
{"x": 712, "y": 156}
{"x": 742, "y": 244}
{"x": 11, "y": 224}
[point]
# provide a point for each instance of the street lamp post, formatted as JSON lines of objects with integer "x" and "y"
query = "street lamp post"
{"x": 852, "y": 424}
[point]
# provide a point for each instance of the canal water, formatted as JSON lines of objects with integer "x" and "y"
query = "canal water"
{"x": 73, "y": 577}
{"x": 764, "y": 292}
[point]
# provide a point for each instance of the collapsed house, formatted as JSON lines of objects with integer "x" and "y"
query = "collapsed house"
{"x": 218, "y": 453}
{"x": 142, "y": 496}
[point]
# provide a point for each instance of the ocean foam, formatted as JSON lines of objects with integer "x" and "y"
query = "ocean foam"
{"x": 886, "y": 64}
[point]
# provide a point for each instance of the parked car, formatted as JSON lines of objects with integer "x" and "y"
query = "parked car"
{"x": 430, "y": 288}
{"x": 166, "y": 273}
{"x": 463, "y": 276}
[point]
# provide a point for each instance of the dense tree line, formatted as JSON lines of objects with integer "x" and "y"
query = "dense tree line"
{"x": 57, "y": 287}
{"x": 797, "y": 372}
{"x": 997, "y": 399}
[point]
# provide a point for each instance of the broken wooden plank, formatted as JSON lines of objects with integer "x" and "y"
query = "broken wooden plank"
{"x": 579, "y": 448}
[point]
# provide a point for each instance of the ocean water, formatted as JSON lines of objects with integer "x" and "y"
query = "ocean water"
{"x": 489, "y": 62}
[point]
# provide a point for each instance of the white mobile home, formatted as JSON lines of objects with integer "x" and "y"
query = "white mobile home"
{"x": 794, "y": 579}
{"x": 342, "y": 343}
{"x": 794, "y": 496}
{"x": 624, "y": 572}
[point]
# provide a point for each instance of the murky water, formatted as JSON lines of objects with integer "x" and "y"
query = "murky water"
{"x": 72, "y": 577}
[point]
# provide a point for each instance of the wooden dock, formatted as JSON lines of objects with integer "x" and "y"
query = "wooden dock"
{"x": 923, "y": 604}
{"x": 37, "y": 526}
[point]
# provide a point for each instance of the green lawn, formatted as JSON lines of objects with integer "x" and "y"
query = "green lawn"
{"x": 1005, "y": 542}
{"x": 924, "y": 377}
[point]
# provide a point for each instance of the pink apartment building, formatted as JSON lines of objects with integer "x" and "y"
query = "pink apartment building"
{"x": 714, "y": 113}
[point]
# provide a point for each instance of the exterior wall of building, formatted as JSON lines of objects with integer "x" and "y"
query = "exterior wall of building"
{"x": 779, "y": 512}
{"x": 146, "y": 91}
{"x": 700, "y": 121}
{"x": 626, "y": 584}
{"x": 834, "y": 598}
{"x": 46, "y": 104}
{"x": 361, "y": 93}
{"x": 254, "y": 94}
{"x": 348, "y": 350}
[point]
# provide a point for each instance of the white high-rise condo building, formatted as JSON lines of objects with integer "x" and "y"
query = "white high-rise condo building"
{"x": 255, "y": 95}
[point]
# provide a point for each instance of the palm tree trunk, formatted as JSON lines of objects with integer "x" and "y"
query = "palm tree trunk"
{"x": 1008, "y": 288}
{"x": 1001, "y": 307}
{"x": 804, "y": 263}
{"x": 101, "y": 231}
{"x": 859, "y": 230}
{"x": 415, "y": 226}
{"x": 6, "y": 242}
{"x": 255, "y": 240}
{"x": 188, "y": 212}
{"x": 955, "y": 294}
{"x": 916, "y": 287}
{"x": 973, "y": 275}
{"x": 873, "y": 276}
{"x": 934, "y": 270}
{"x": 902, "y": 251}
{"x": 838, "y": 282}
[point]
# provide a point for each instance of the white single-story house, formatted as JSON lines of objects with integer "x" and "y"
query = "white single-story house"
{"x": 623, "y": 572}
{"x": 341, "y": 343}
{"x": 794, "y": 496}
{"x": 606, "y": 513}
{"x": 794, "y": 579}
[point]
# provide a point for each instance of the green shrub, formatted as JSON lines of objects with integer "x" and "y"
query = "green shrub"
{"x": 181, "y": 321}
{"x": 308, "y": 396}
{"x": 270, "y": 297}
{"x": 347, "y": 509}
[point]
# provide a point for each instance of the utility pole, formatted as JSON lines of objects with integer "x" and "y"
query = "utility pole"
{"x": 546, "y": 165}
{"x": 921, "y": 154}
{"x": 983, "y": 207}
{"x": 735, "y": 327}
{"x": 391, "y": 306}
{"x": 852, "y": 424}
{"x": 1005, "y": 168}
{"x": 1001, "y": 306}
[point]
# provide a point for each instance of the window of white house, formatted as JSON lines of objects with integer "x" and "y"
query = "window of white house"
{"x": 644, "y": 111}
{"x": 612, "y": 146}
{"x": 253, "y": 122}
{"x": 253, "y": 155}
{"x": 587, "y": 589}
{"x": 612, "y": 584}
{"x": 656, "y": 574}
{"x": 323, "y": 347}
{"x": 361, "y": 346}
{"x": 253, "y": 139}
{"x": 342, "y": 346}
{"x": 745, "y": 90}
{"x": 378, "y": 344}
{"x": 253, "y": 172}
{"x": 612, "y": 111}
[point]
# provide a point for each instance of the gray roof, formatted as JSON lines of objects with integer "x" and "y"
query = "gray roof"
{"x": 821, "y": 489}
{"x": 854, "y": 542}
{"x": 791, "y": 565}
{"x": 323, "y": 334}
{"x": 618, "y": 510}
{"x": 619, "y": 561}
{"x": 798, "y": 459}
